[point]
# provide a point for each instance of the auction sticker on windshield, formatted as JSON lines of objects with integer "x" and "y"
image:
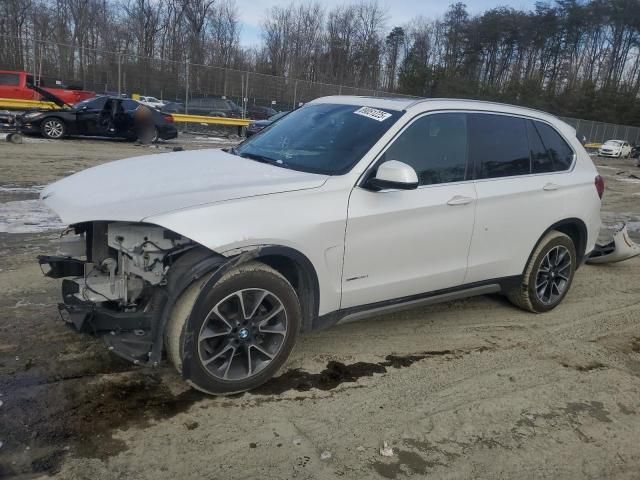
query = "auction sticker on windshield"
{"x": 373, "y": 113}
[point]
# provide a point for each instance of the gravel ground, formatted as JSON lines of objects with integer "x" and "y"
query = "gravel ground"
{"x": 473, "y": 388}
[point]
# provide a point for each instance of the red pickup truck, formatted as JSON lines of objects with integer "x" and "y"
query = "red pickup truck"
{"x": 15, "y": 85}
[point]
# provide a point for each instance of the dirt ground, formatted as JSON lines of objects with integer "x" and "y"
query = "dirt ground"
{"x": 469, "y": 389}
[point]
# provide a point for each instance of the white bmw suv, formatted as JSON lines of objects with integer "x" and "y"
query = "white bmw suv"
{"x": 343, "y": 208}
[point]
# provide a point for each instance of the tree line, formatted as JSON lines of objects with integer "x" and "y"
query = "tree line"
{"x": 573, "y": 58}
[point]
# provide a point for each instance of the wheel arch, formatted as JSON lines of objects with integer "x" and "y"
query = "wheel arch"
{"x": 575, "y": 229}
{"x": 300, "y": 273}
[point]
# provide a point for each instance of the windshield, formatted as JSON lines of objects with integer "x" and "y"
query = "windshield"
{"x": 615, "y": 143}
{"x": 322, "y": 138}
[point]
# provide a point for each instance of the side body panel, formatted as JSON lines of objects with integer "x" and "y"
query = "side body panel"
{"x": 310, "y": 221}
{"x": 405, "y": 242}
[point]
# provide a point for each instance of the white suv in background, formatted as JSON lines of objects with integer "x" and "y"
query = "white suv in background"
{"x": 151, "y": 102}
{"x": 346, "y": 207}
{"x": 615, "y": 148}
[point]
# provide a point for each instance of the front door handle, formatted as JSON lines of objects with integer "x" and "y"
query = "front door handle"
{"x": 550, "y": 187}
{"x": 460, "y": 200}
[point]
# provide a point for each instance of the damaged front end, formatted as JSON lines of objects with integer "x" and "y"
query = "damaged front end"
{"x": 619, "y": 249}
{"x": 119, "y": 280}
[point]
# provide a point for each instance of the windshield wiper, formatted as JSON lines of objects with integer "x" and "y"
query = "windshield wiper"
{"x": 263, "y": 159}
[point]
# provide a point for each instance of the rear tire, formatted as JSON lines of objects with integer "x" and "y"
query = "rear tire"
{"x": 243, "y": 331}
{"x": 548, "y": 274}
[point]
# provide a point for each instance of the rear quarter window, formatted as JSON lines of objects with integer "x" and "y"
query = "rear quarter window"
{"x": 559, "y": 151}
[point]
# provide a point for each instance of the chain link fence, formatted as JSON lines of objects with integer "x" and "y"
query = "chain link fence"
{"x": 118, "y": 73}
{"x": 600, "y": 132}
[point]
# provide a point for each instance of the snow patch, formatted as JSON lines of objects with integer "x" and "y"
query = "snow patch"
{"x": 16, "y": 189}
{"x": 629, "y": 180}
{"x": 27, "y": 216}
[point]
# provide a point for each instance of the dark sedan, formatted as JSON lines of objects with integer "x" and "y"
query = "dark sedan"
{"x": 259, "y": 125}
{"x": 104, "y": 116}
{"x": 256, "y": 112}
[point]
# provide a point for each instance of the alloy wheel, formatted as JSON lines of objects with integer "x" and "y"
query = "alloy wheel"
{"x": 553, "y": 275}
{"x": 242, "y": 334}
{"x": 53, "y": 128}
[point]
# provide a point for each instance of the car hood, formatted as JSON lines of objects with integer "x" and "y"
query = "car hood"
{"x": 136, "y": 188}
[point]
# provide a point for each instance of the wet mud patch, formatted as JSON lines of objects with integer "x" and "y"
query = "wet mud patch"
{"x": 48, "y": 416}
{"x": 338, "y": 373}
{"x": 407, "y": 463}
{"x": 78, "y": 415}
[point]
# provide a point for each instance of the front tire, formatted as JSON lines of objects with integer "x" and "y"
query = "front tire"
{"x": 53, "y": 128}
{"x": 242, "y": 331}
{"x": 548, "y": 275}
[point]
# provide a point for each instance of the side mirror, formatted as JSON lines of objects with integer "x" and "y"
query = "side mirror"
{"x": 393, "y": 174}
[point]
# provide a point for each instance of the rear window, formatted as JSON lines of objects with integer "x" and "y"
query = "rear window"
{"x": 560, "y": 153}
{"x": 498, "y": 145}
{"x": 10, "y": 79}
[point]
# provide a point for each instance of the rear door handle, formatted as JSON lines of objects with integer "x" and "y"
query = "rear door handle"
{"x": 551, "y": 186}
{"x": 460, "y": 200}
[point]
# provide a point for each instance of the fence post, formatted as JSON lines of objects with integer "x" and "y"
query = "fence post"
{"x": 186, "y": 89}
{"x": 295, "y": 94}
{"x": 119, "y": 74}
{"x": 35, "y": 61}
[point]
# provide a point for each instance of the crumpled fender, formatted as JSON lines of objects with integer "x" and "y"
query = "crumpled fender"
{"x": 621, "y": 248}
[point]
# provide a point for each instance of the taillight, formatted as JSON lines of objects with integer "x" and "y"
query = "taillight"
{"x": 168, "y": 118}
{"x": 600, "y": 185}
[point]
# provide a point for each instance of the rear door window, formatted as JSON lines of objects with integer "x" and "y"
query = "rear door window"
{"x": 560, "y": 153}
{"x": 498, "y": 145}
{"x": 435, "y": 146}
{"x": 129, "y": 105}
{"x": 10, "y": 79}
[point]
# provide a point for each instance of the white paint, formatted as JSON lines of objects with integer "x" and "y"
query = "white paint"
{"x": 140, "y": 187}
{"x": 394, "y": 243}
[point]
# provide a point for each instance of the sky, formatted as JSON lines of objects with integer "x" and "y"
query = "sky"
{"x": 399, "y": 11}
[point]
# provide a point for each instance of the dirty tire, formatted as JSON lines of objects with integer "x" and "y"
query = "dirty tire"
{"x": 53, "y": 128}
{"x": 252, "y": 276}
{"x": 525, "y": 295}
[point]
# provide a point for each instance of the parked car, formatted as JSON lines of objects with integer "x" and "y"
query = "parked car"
{"x": 615, "y": 148}
{"x": 259, "y": 125}
{"x": 256, "y": 112}
{"x": 635, "y": 151}
{"x": 15, "y": 84}
{"x": 215, "y": 107}
{"x": 345, "y": 208}
{"x": 102, "y": 116}
{"x": 151, "y": 102}
{"x": 173, "y": 107}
